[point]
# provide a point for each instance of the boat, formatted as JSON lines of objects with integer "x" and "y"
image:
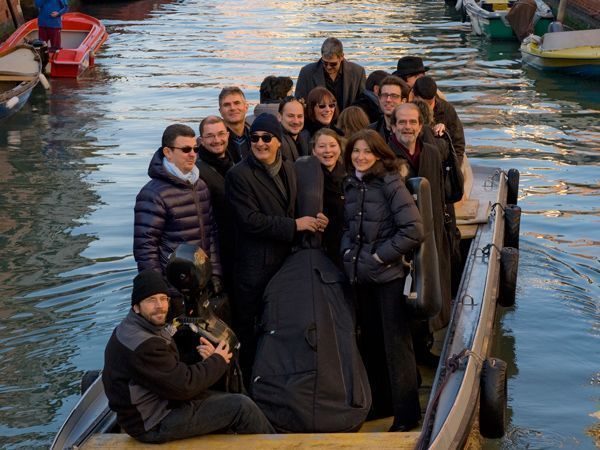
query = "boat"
{"x": 81, "y": 37}
{"x": 465, "y": 381}
{"x": 488, "y": 17}
{"x": 20, "y": 70}
{"x": 572, "y": 52}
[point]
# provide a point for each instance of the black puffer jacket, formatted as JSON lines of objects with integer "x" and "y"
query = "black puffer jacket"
{"x": 380, "y": 217}
{"x": 169, "y": 212}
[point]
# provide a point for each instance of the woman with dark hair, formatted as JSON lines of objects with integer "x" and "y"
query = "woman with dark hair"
{"x": 382, "y": 224}
{"x": 327, "y": 148}
{"x": 321, "y": 111}
{"x": 352, "y": 119}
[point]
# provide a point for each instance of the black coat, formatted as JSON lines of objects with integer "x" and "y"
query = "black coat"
{"x": 292, "y": 149}
{"x": 312, "y": 75}
{"x": 169, "y": 212}
{"x": 444, "y": 112}
{"x": 381, "y": 217}
{"x": 381, "y": 127}
{"x": 238, "y": 152}
{"x": 368, "y": 101}
{"x": 431, "y": 167}
{"x": 333, "y": 208}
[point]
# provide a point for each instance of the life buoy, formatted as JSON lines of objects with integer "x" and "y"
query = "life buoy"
{"x": 425, "y": 299}
{"x": 509, "y": 266}
{"x": 492, "y": 399}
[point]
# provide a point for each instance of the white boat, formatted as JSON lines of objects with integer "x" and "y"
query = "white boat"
{"x": 20, "y": 71}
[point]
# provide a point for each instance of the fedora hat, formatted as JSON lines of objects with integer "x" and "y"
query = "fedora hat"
{"x": 410, "y": 65}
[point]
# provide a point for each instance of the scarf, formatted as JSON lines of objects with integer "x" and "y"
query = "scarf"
{"x": 191, "y": 177}
{"x": 221, "y": 165}
{"x": 273, "y": 172}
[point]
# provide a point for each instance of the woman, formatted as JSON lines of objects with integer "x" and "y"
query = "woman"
{"x": 327, "y": 148}
{"x": 382, "y": 225}
{"x": 352, "y": 119}
{"x": 321, "y": 111}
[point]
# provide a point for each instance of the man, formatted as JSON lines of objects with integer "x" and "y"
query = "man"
{"x": 213, "y": 164}
{"x": 392, "y": 92}
{"x": 368, "y": 100}
{"x": 50, "y": 14}
{"x": 261, "y": 191}
{"x": 425, "y": 88}
{"x": 410, "y": 68}
{"x": 295, "y": 139}
{"x": 233, "y": 108}
{"x": 174, "y": 207}
{"x": 346, "y": 80}
{"x": 424, "y": 159}
{"x": 157, "y": 397}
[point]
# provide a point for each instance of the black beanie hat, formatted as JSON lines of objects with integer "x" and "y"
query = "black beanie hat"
{"x": 269, "y": 123}
{"x": 147, "y": 283}
{"x": 425, "y": 87}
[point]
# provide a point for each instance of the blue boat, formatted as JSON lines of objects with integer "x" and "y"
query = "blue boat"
{"x": 20, "y": 72}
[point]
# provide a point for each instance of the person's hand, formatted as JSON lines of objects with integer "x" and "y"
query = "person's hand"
{"x": 54, "y": 14}
{"x": 322, "y": 221}
{"x": 217, "y": 284}
{"x": 438, "y": 129}
{"x": 223, "y": 350}
{"x": 205, "y": 349}
{"x": 307, "y": 223}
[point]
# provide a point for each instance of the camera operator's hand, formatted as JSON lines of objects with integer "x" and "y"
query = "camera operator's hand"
{"x": 205, "y": 349}
{"x": 223, "y": 350}
{"x": 217, "y": 284}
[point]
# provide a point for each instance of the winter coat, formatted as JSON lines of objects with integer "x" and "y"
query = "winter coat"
{"x": 47, "y": 7}
{"x": 236, "y": 151}
{"x": 369, "y": 103}
{"x": 381, "y": 127}
{"x": 269, "y": 108}
{"x": 168, "y": 212}
{"x": 380, "y": 217}
{"x": 431, "y": 167}
{"x": 333, "y": 208}
{"x": 143, "y": 377}
{"x": 312, "y": 75}
{"x": 292, "y": 149}
{"x": 444, "y": 112}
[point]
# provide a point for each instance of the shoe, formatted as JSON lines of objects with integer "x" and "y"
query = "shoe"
{"x": 398, "y": 428}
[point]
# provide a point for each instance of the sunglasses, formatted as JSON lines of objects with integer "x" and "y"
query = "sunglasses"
{"x": 331, "y": 105}
{"x": 187, "y": 149}
{"x": 330, "y": 64}
{"x": 266, "y": 138}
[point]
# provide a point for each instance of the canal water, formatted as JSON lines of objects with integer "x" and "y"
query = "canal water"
{"x": 73, "y": 160}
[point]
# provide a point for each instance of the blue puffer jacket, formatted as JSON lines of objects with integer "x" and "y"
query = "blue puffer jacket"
{"x": 169, "y": 212}
{"x": 47, "y": 7}
{"x": 380, "y": 217}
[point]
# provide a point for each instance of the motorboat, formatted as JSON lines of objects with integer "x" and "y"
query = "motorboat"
{"x": 81, "y": 37}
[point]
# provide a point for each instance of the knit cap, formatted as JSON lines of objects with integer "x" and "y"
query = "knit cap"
{"x": 147, "y": 283}
{"x": 269, "y": 123}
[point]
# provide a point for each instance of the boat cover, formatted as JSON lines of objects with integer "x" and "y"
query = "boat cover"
{"x": 570, "y": 39}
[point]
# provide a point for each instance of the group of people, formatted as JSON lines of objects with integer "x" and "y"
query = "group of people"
{"x": 232, "y": 191}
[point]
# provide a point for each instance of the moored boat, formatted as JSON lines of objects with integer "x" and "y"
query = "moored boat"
{"x": 20, "y": 70}
{"x": 451, "y": 394}
{"x": 488, "y": 17}
{"x": 81, "y": 37}
{"x": 574, "y": 52}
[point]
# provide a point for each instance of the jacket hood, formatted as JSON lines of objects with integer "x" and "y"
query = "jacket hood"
{"x": 157, "y": 171}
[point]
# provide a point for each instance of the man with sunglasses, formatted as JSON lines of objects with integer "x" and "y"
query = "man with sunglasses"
{"x": 392, "y": 92}
{"x": 346, "y": 80}
{"x": 261, "y": 191}
{"x": 174, "y": 207}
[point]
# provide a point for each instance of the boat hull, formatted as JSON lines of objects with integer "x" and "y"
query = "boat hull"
{"x": 81, "y": 36}
{"x": 20, "y": 69}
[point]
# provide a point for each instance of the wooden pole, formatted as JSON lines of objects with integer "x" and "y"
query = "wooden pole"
{"x": 562, "y": 8}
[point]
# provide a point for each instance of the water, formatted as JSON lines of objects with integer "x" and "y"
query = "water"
{"x": 73, "y": 160}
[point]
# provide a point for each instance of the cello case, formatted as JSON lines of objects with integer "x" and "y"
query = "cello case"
{"x": 308, "y": 375}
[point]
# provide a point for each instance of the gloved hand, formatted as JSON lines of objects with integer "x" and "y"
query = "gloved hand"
{"x": 217, "y": 284}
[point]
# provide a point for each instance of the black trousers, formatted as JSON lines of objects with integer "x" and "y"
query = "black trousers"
{"x": 386, "y": 347}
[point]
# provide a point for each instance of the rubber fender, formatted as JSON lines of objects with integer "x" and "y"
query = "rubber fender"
{"x": 512, "y": 225}
{"x": 492, "y": 399}
{"x": 512, "y": 186}
{"x": 88, "y": 378}
{"x": 426, "y": 283}
{"x": 509, "y": 266}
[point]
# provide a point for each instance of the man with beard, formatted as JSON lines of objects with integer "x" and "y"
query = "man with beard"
{"x": 233, "y": 108}
{"x": 213, "y": 164}
{"x": 156, "y": 396}
{"x": 424, "y": 159}
{"x": 261, "y": 191}
{"x": 295, "y": 139}
{"x": 346, "y": 80}
{"x": 392, "y": 92}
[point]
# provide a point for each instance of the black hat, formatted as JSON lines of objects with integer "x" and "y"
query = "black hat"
{"x": 425, "y": 87}
{"x": 410, "y": 65}
{"x": 147, "y": 283}
{"x": 269, "y": 123}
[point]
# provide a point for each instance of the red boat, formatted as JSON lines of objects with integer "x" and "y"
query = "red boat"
{"x": 81, "y": 37}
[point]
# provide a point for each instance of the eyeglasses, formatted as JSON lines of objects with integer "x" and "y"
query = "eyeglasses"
{"x": 333, "y": 65}
{"x": 212, "y": 137}
{"x": 331, "y": 105}
{"x": 187, "y": 149}
{"x": 266, "y": 138}
{"x": 392, "y": 96}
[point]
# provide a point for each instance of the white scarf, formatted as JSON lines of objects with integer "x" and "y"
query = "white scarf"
{"x": 192, "y": 176}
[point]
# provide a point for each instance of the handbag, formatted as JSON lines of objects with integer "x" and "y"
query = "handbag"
{"x": 453, "y": 178}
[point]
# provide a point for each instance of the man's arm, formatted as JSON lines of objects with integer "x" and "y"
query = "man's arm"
{"x": 149, "y": 223}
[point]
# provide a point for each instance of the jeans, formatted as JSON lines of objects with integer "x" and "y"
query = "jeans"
{"x": 214, "y": 412}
